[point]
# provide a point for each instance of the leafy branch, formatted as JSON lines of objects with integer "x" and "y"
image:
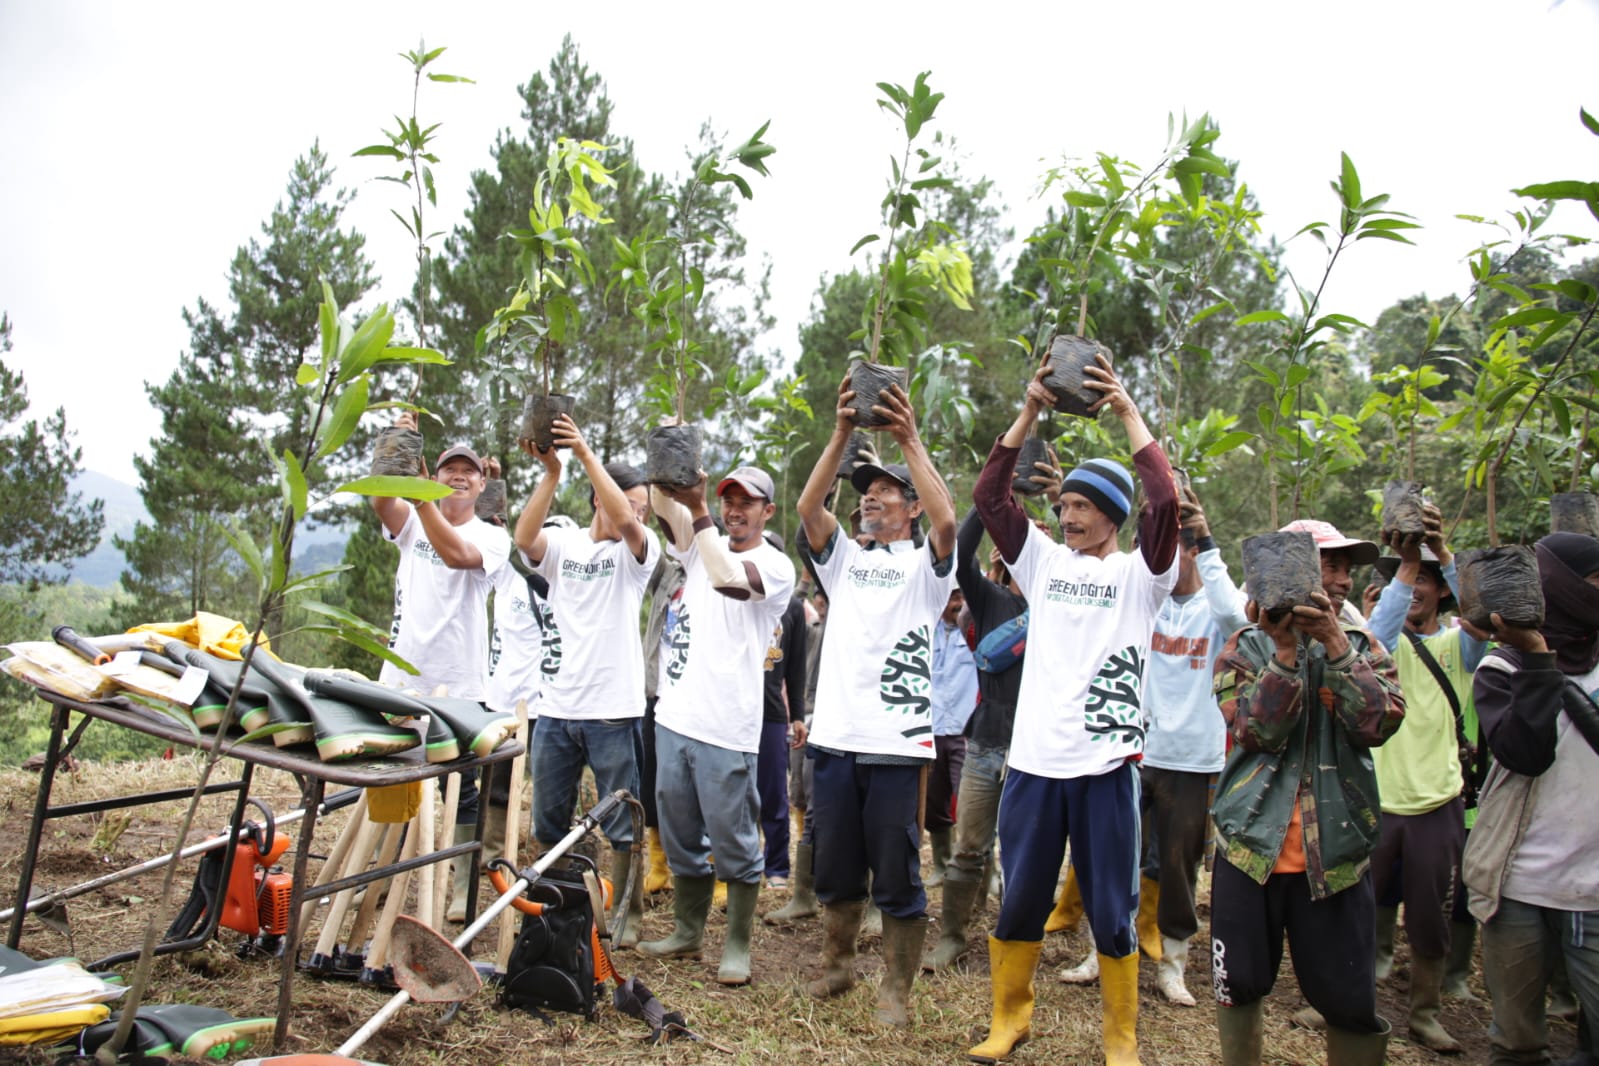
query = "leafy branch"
{"x": 409, "y": 144}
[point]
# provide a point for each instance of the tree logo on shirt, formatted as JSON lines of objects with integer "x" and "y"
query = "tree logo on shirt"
{"x": 906, "y": 686}
{"x": 550, "y": 646}
{"x": 678, "y": 632}
{"x": 1113, "y": 708}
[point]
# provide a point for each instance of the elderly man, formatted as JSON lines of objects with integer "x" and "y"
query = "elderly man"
{"x": 1306, "y": 698}
{"x": 709, "y": 706}
{"x": 872, "y": 732}
{"x": 1079, "y": 732}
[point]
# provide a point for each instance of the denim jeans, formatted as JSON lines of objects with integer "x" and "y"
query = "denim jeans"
{"x": 707, "y": 794}
{"x": 611, "y": 747}
{"x": 1519, "y": 946}
{"x": 977, "y": 811}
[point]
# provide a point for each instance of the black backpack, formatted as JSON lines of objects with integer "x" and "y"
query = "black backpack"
{"x": 552, "y": 964}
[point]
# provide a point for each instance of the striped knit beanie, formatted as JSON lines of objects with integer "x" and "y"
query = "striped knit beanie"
{"x": 1105, "y": 482}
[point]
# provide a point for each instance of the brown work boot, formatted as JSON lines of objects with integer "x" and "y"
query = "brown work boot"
{"x": 902, "y": 957}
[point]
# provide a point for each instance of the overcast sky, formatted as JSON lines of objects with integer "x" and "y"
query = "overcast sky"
{"x": 144, "y": 143}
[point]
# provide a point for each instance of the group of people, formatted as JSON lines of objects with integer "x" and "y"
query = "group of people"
{"x": 1136, "y": 704}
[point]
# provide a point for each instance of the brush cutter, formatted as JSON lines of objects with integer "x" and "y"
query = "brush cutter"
{"x": 430, "y": 968}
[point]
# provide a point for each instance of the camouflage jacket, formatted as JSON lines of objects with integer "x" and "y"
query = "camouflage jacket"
{"x": 1282, "y": 753}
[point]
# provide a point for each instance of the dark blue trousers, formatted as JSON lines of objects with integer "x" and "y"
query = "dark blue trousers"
{"x": 865, "y": 818}
{"x": 771, "y": 782}
{"x": 1099, "y": 815}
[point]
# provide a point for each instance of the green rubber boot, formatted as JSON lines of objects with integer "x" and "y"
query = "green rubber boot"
{"x": 691, "y": 905}
{"x": 735, "y": 967}
{"x": 958, "y": 899}
{"x": 1243, "y": 1033}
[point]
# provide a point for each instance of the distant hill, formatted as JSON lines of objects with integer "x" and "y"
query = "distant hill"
{"x": 124, "y": 509}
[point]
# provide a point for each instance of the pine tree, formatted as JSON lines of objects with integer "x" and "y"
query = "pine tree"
{"x": 231, "y": 404}
{"x": 43, "y": 523}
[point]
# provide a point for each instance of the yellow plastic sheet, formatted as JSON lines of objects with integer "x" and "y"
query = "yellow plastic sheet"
{"x": 223, "y": 637}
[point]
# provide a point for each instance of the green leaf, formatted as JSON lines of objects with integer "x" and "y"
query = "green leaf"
{"x": 411, "y": 355}
{"x": 306, "y": 375}
{"x": 863, "y": 242}
{"x": 245, "y": 545}
{"x": 370, "y": 337}
{"x": 265, "y": 732}
{"x": 347, "y": 411}
{"x": 1589, "y": 121}
{"x": 316, "y": 580}
{"x": 1349, "y": 184}
{"x": 1559, "y": 190}
{"x": 365, "y": 643}
{"x": 295, "y": 490}
{"x": 1262, "y": 316}
{"x": 381, "y": 149}
{"x": 405, "y": 488}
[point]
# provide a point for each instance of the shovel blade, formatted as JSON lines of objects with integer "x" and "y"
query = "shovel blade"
{"x": 428, "y": 966}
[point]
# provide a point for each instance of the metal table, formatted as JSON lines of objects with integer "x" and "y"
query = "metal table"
{"x": 313, "y": 774}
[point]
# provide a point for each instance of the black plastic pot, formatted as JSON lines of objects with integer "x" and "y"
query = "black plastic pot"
{"x": 868, "y": 379}
{"x": 858, "y": 449}
{"x": 1401, "y": 507}
{"x": 538, "y": 418}
{"x": 1068, "y": 355}
{"x": 1282, "y": 570}
{"x": 1032, "y": 451}
{"x": 492, "y": 502}
{"x": 1501, "y": 581}
{"x": 397, "y": 453}
{"x": 672, "y": 455}
{"x": 1574, "y": 512}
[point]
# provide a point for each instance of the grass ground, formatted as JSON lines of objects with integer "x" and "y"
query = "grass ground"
{"x": 772, "y": 1021}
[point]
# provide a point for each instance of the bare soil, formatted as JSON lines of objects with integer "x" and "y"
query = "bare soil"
{"x": 773, "y": 1020}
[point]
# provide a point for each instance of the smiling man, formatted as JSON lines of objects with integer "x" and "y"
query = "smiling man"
{"x": 871, "y": 737}
{"x": 1079, "y": 732}
{"x": 710, "y": 699}
{"x": 449, "y": 559}
{"x": 1306, "y": 698}
{"x": 1420, "y": 774}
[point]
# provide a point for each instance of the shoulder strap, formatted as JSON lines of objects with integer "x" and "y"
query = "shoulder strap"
{"x": 1471, "y": 755}
{"x": 1584, "y": 714}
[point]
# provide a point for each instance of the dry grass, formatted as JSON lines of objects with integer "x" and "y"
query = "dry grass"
{"x": 773, "y": 1021}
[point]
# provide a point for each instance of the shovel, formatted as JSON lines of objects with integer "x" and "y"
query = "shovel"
{"x": 443, "y": 969}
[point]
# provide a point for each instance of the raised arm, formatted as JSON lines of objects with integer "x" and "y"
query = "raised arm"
{"x": 937, "y": 503}
{"x": 1225, "y": 599}
{"x": 1157, "y": 534}
{"x": 819, "y": 524}
{"x": 968, "y": 574}
{"x": 608, "y": 495}
{"x": 1519, "y": 700}
{"x": 1260, "y": 697}
{"x": 391, "y": 510}
{"x": 529, "y": 533}
{"x": 735, "y": 578}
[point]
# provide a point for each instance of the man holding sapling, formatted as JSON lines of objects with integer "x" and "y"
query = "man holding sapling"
{"x": 449, "y": 558}
{"x": 1079, "y": 727}
{"x": 709, "y": 707}
{"x": 593, "y": 693}
{"x": 1420, "y": 772}
{"x": 1306, "y": 698}
{"x": 871, "y": 737}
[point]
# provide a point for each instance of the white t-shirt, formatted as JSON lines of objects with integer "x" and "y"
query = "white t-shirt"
{"x": 441, "y": 621}
{"x": 1186, "y": 730}
{"x": 874, "y": 686}
{"x": 713, "y": 686}
{"x": 1080, "y": 710}
{"x": 514, "y": 649}
{"x": 593, "y": 655}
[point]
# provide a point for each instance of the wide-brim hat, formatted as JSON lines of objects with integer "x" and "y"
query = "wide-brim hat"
{"x": 1327, "y": 538}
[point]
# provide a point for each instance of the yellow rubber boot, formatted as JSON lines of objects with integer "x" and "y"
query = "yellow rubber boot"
{"x": 1011, "y": 964}
{"x": 1148, "y": 929}
{"x": 1068, "y": 909}
{"x": 657, "y": 876}
{"x": 719, "y": 895}
{"x": 1118, "y": 993}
